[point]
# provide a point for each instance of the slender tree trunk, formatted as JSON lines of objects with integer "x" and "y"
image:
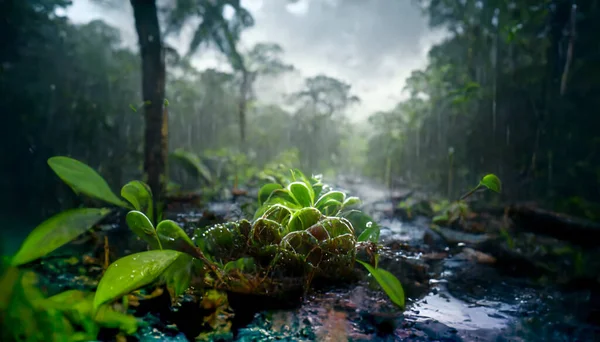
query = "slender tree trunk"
{"x": 153, "y": 92}
{"x": 242, "y": 109}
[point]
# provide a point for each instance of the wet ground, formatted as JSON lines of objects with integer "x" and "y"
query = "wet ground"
{"x": 455, "y": 291}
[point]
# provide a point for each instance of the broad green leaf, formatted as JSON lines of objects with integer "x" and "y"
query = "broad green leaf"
{"x": 278, "y": 197}
{"x": 179, "y": 275}
{"x": 278, "y": 213}
{"x": 171, "y": 236}
{"x": 131, "y": 273}
{"x": 388, "y": 282}
{"x": 330, "y": 207}
{"x": 335, "y": 195}
{"x": 350, "y": 201}
{"x": 83, "y": 179}
{"x": 298, "y": 176}
{"x": 77, "y": 305}
{"x": 266, "y": 190}
{"x": 192, "y": 163}
{"x": 140, "y": 224}
{"x": 491, "y": 182}
{"x": 359, "y": 220}
{"x": 57, "y": 231}
{"x": 371, "y": 233}
{"x": 302, "y": 193}
{"x": 140, "y": 196}
{"x": 303, "y": 219}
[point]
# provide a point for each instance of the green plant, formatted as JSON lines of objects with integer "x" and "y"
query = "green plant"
{"x": 85, "y": 180}
{"x": 459, "y": 210}
{"x": 290, "y": 238}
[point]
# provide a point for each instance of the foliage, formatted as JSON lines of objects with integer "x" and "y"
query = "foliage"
{"x": 27, "y": 314}
{"x": 503, "y": 76}
{"x": 57, "y": 231}
{"x": 291, "y": 237}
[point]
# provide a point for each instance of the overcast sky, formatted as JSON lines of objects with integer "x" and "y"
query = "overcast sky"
{"x": 371, "y": 44}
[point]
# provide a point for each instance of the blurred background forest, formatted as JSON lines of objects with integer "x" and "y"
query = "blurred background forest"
{"x": 511, "y": 89}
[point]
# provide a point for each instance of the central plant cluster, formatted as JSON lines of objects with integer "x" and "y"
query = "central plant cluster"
{"x": 291, "y": 231}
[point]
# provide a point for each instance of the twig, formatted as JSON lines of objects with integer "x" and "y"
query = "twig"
{"x": 106, "y": 253}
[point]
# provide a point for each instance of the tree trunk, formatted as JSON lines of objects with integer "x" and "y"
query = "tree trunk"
{"x": 153, "y": 93}
{"x": 242, "y": 109}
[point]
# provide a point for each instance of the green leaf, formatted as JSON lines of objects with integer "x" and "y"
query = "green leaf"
{"x": 83, "y": 179}
{"x": 243, "y": 264}
{"x": 266, "y": 190}
{"x": 359, "y": 220}
{"x": 173, "y": 237}
{"x": 331, "y": 195}
{"x": 281, "y": 197}
{"x": 303, "y": 219}
{"x": 298, "y": 176}
{"x": 350, "y": 202}
{"x": 57, "y": 231}
{"x": 140, "y": 196}
{"x": 388, "y": 282}
{"x": 371, "y": 233}
{"x": 140, "y": 224}
{"x": 302, "y": 193}
{"x": 266, "y": 232}
{"x": 278, "y": 213}
{"x": 192, "y": 163}
{"x": 179, "y": 275}
{"x": 491, "y": 182}
{"x": 131, "y": 273}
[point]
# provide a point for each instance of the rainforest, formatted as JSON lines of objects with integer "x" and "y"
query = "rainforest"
{"x": 299, "y": 170}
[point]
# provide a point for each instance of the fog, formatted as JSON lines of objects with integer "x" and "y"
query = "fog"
{"x": 373, "y": 45}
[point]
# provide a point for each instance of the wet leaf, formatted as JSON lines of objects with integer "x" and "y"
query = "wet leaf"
{"x": 171, "y": 236}
{"x": 83, "y": 179}
{"x": 331, "y": 195}
{"x": 131, "y": 273}
{"x": 266, "y": 232}
{"x": 77, "y": 306}
{"x": 298, "y": 176}
{"x": 491, "y": 182}
{"x": 281, "y": 197}
{"x": 371, "y": 233}
{"x": 350, "y": 202}
{"x": 140, "y": 224}
{"x": 388, "y": 282}
{"x": 300, "y": 242}
{"x": 303, "y": 218}
{"x": 265, "y": 191}
{"x": 359, "y": 220}
{"x": 343, "y": 244}
{"x": 278, "y": 213}
{"x": 140, "y": 196}
{"x": 301, "y": 193}
{"x": 216, "y": 240}
{"x": 337, "y": 226}
{"x": 179, "y": 275}
{"x": 57, "y": 231}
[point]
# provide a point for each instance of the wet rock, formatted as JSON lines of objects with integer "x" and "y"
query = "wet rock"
{"x": 438, "y": 331}
{"x": 454, "y": 237}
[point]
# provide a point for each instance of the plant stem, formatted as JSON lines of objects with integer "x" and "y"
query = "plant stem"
{"x": 470, "y": 192}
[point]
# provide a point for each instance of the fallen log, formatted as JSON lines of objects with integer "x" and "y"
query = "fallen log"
{"x": 564, "y": 227}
